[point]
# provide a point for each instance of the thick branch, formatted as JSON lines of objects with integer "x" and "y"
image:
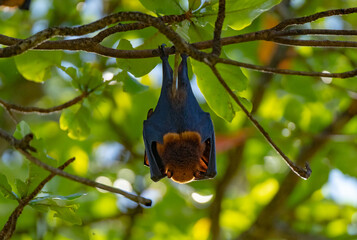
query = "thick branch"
{"x": 42, "y": 36}
{"x": 169, "y": 19}
{"x": 216, "y": 46}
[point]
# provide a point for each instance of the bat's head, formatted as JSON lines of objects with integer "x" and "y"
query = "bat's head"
{"x": 182, "y": 155}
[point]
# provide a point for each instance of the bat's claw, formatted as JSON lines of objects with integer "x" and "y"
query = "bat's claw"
{"x": 162, "y": 51}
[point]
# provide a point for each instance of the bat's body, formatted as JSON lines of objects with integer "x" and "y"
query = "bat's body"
{"x": 178, "y": 135}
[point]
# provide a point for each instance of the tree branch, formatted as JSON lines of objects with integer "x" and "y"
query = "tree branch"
{"x": 303, "y": 173}
{"x": 347, "y": 74}
{"x": 22, "y": 109}
{"x": 216, "y": 45}
{"x": 314, "y": 17}
{"x": 268, "y": 216}
{"x": 23, "y": 146}
{"x": 236, "y": 158}
{"x": 38, "y": 41}
{"x": 10, "y": 226}
{"x": 49, "y": 33}
{"x": 315, "y": 43}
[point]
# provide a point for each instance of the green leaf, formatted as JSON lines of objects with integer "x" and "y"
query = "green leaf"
{"x": 91, "y": 77}
{"x": 67, "y": 198}
{"x": 62, "y": 208}
{"x": 22, "y": 129}
{"x": 85, "y": 78}
{"x": 34, "y": 65}
{"x": 239, "y": 14}
{"x": 75, "y": 122}
{"x": 130, "y": 84}
{"x": 163, "y": 7}
{"x": 216, "y": 96}
{"x": 137, "y": 67}
{"x": 198, "y": 32}
{"x": 194, "y": 4}
{"x": 246, "y": 103}
{"x": 67, "y": 213}
{"x": 71, "y": 71}
{"x": 22, "y": 188}
{"x": 5, "y": 188}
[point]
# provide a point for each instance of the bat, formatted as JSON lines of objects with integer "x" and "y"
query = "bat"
{"x": 22, "y": 4}
{"x": 178, "y": 135}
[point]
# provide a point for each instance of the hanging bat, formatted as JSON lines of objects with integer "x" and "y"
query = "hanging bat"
{"x": 22, "y": 4}
{"x": 178, "y": 134}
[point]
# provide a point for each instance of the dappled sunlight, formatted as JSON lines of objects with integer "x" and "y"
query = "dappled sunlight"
{"x": 235, "y": 221}
{"x": 201, "y": 229}
{"x": 103, "y": 180}
{"x": 263, "y": 192}
{"x": 155, "y": 192}
{"x": 123, "y": 203}
{"x": 104, "y": 206}
{"x": 107, "y": 154}
{"x": 201, "y": 198}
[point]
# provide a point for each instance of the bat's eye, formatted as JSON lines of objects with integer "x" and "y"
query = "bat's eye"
{"x": 197, "y": 174}
{"x": 169, "y": 173}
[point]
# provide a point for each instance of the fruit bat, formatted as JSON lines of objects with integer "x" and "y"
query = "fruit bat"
{"x": 178, "y": 134}
{"x": 22, "y": 4}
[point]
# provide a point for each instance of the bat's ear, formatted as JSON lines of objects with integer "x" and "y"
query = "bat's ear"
{"x": 150, "y": 112}
{"x": 146, "y": 160}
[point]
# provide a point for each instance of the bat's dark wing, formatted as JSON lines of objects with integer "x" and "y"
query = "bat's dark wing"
{"x": 199, "y": 121}
{"x": 158, "y": 123}
{"x": 25, "y": 5}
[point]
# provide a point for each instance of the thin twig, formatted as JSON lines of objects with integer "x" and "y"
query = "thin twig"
{"x": 315, "y": 43}
{"x": 23, "y": 109}
{"x": 348, "y": 74}
{"x": 216, "y": 45}
{"x": 303, "y": 173}
{"x": 314, "y": 17}
{"x": 10, "y": 226}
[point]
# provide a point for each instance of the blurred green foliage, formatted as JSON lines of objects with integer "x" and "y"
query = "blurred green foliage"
{"x": 104, "y": 131}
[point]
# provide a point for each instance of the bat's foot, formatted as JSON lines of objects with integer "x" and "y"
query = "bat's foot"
{"x": 163, "y": 53}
